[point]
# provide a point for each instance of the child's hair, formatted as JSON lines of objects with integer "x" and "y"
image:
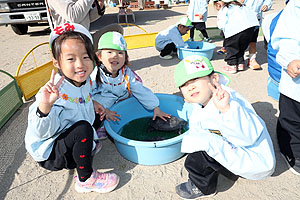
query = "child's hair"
{"x": 185, "y": 21}
{"x": 57, "y": 43}
{"x": 227, "y": 4}
{"x": 181, "y": 25}
{"x": 98, "y": 80}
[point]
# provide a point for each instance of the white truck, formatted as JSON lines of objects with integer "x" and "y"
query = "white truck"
{"x": 22, "y": 13}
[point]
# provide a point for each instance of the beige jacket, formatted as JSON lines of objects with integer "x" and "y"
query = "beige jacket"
{"x": 74, "y": 11}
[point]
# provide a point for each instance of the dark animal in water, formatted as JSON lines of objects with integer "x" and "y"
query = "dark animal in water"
{"x": 172, "y": 124}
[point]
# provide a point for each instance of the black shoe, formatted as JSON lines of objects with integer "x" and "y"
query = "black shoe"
{"x": 189, "y": 191}
{"x": 293, "y": 164}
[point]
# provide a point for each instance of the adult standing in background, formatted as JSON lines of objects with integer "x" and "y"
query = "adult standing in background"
{"x": 79, "y": 11}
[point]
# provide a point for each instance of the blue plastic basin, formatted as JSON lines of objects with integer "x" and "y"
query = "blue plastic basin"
{"x": 200, "y": 48}
{"x": 146, "y": 153}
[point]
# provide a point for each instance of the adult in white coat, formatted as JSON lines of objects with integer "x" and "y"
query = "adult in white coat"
{"x": 79, "y": 11}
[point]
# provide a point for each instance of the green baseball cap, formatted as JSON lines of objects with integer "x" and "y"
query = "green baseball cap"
{"x": 195, "y": 66}
{"x": 185, "y": 21}
{"x": 112, "y": 40}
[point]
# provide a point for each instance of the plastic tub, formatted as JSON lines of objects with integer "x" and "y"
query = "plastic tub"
{"x": 197, "y": 48}
{"x": 140, "y": 152}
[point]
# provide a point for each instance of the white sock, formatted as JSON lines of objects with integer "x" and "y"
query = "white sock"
{"x": 252, "y": 56}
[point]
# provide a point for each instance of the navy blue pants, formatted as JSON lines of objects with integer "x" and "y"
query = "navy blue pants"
{"x": 200, "y": 26}
{"x": 168, "y": 49}
{"x": 73, "y": 149}
{"x": 288, "y": 127}
{"x": 236, "y": 46}
{"x": 204, "y": 171}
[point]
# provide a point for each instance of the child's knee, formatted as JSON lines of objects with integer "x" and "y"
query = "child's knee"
{"x": 84, "y": 128}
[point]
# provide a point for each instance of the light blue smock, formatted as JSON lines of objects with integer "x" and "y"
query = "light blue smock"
{"x": 245, "y": 147}
{"x": 286, "y": 40}
{"x": 73, "y": 105}
{"x": 256, "y": 5}
{"x": 168, "y": 36}
{"x": 235, "y": 19}
{"x": 113, "y": 90}
{"x": 197, "y": 7}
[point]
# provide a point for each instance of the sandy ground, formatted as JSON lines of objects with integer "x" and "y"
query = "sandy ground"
{"x": 22, "y": 178}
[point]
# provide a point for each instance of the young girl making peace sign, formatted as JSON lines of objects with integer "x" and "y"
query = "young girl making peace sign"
{"x": 60, "y": 132}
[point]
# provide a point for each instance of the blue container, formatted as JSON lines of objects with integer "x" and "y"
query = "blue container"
{"x": 200, "y": 48}
{"x": 146, "y": 153}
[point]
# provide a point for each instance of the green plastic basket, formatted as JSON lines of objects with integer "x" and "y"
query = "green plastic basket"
{"x": 10, "y": 100}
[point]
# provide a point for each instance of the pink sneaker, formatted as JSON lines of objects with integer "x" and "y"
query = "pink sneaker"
{"x": 101, "y": 132}
{"x": 98, "y": 182}
{"x": 230, "y": 69}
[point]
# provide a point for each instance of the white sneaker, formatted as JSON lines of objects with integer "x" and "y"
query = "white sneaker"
{"x": 207, "y": 40}
{"x": 166, "y": 57}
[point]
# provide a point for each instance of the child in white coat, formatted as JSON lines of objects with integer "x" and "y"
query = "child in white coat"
{"x": 168, "y": 40}
{"x": 258, "y": 6}
{"x": 114, "y": 81}
{"x": 237, "y": 23}
{"x": 60, "y": 132}
{"x": 286, "y": 40}
{"x": 225, "y": 134}
{"x": 197, "y": 13}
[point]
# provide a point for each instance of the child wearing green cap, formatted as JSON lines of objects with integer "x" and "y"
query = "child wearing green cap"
{"x": 115, "y": 81}
{"x": 225, "y": 134}
{"x": 167, "y": 41}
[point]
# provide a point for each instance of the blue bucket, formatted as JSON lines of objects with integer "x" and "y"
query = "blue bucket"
{"x": 146, "y": 153}
{"x": 200, "y": 48}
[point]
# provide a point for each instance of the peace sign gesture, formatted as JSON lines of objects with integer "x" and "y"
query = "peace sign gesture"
{"x": 220, "y": 97}
{"x": 49, "y": 93}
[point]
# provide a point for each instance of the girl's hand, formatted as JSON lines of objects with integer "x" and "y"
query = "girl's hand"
{"x": 111, "y": 115}
{"x": 99, "y": 109}
{"x": 158, "y": 113}
{"x": 220, "y": 97}
{"x": 294, "y": 69}
{"x": 49, "y": 93}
